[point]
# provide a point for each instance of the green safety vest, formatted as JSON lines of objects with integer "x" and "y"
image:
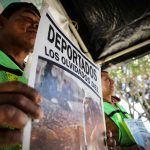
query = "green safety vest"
{"x": 9, "y": 71}
{"x": 117, "y": 115}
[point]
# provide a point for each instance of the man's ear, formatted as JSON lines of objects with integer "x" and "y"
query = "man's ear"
{"x": 2, "y": 21}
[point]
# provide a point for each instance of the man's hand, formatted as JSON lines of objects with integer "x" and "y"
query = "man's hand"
{"x": 17, "y": 102}
{"x": 110, "y": 141}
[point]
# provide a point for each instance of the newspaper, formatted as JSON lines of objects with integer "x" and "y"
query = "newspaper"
{"x": 71, "y": 87}
{"x": 139, "y": 132}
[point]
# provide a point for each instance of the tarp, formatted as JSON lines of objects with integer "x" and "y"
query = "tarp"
{"x": 109, "y": 32}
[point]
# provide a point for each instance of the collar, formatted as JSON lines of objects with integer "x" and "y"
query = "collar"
{"x": 114, "y": 100}
{"x": 9, "y": 62}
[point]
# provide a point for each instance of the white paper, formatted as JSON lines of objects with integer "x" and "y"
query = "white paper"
{"x": 71, "y": 87}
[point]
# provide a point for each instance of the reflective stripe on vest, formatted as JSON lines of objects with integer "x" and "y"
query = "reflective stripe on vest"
{"x": 7, "y": 73}
{"x": 118, "y": 115}
{"x": 7, "y": 76}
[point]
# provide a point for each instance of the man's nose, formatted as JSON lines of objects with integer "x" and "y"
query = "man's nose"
{"x": 112, "y": 81}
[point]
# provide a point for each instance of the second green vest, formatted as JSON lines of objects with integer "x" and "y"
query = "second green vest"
{"x": 117, "y": 115}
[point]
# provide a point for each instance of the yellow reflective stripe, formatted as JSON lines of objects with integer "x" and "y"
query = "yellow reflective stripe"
{"x": 20, "y": 147}
{"x": 11, "y": 77}
{"x": 124, "y": 126}
{"x": 119, "y": 120}
{"x": 127, "y": 130}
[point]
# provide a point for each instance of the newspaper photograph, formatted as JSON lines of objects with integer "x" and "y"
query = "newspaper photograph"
{"x": 71, "y": 88}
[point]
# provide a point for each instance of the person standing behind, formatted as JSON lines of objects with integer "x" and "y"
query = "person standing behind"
{"x": 115, "y": 115}
{"x": 18, "y": 26}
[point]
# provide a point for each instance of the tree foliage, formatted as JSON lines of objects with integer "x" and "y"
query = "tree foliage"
{"x": 132, "y": 81}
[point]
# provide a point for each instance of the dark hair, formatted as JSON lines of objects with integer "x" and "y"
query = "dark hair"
{"x": 13, "y": 7}
{"x": 104, "y": 71}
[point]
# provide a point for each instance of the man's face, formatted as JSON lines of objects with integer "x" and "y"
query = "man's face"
{"x": 107, "y": 84}
{"x": 20, "y": 28}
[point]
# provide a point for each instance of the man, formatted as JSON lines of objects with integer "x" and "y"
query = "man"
{"x": 115, "y": 115}
{"x": 18, "y": 27}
